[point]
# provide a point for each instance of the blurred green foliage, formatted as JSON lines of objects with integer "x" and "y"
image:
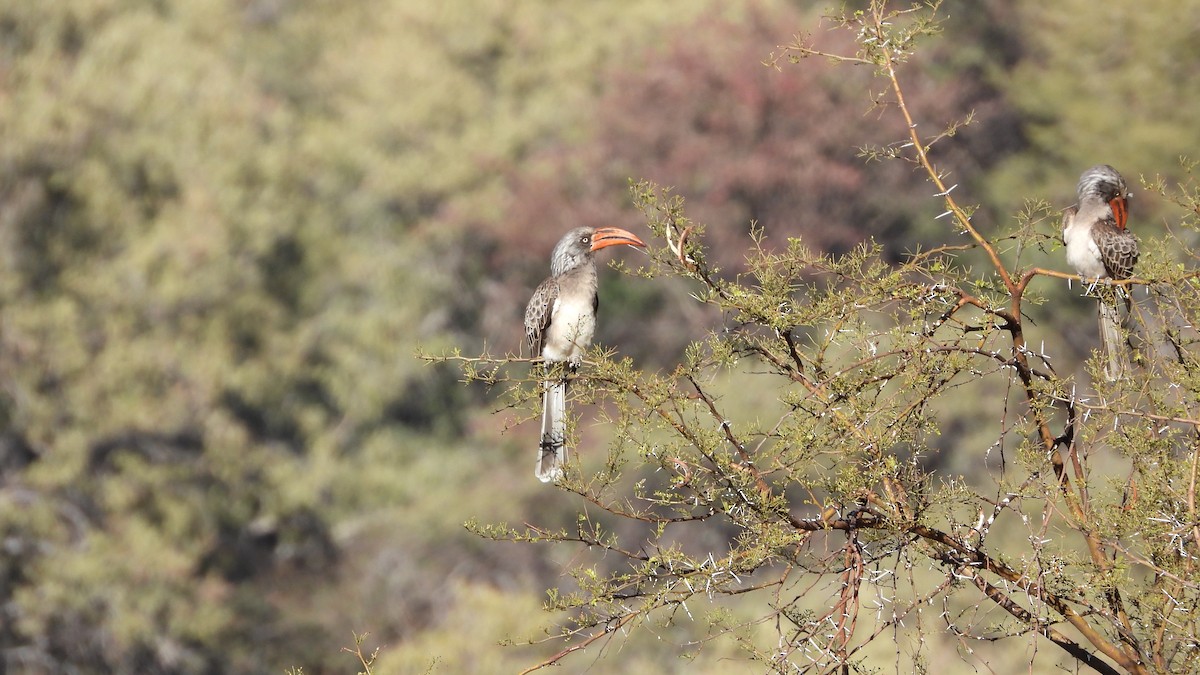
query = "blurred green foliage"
{"x": 1114, "y": 84}
{"x": 225, "y": 227}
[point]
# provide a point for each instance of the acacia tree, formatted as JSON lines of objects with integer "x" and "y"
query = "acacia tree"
{"x": 828, "y": 517}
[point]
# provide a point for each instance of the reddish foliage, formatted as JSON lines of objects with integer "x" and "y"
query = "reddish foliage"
{"x": 741, "y": 141}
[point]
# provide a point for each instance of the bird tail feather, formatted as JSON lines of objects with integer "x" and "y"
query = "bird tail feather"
{"x": 1114, "y": 349}
{"x": 552, "y": 451}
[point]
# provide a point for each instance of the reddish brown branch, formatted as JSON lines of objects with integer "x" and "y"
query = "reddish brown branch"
{"x": 609, "y": 629}
{"x": 1009, "y": 605}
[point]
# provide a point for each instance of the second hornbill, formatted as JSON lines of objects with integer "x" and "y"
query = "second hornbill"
{"x": 1100, "y": 247}
{"x": 559, "y": 323}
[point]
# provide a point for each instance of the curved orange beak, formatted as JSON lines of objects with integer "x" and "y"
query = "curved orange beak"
{"x": 613, "y": 236}
{"x": 1120, "y": 209}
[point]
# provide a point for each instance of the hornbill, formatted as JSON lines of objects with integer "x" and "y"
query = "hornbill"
{"x": 1099, "y": 247}
{"x": 559, "y": 322}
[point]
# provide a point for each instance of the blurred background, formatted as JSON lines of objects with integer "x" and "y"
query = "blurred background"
{"x": 226, "y": 227}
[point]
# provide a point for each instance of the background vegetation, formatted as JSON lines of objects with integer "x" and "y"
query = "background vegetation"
{"x": 225, "y": 228}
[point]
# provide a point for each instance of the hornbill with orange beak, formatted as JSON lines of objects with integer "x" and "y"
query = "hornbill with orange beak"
{"x": 559, "y": 323}
{"x": 1099, "y": 247}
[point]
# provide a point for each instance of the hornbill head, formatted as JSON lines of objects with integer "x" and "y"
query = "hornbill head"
{"x": 1105, "y": 183}
{"x": 577, "y": 246}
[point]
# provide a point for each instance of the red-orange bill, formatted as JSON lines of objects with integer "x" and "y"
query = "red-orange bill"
{"x": 613, "y": 236}
{"x": 1120, "y": 211}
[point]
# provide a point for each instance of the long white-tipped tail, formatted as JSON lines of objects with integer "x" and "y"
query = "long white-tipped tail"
{"x": 1114, "y": 348}
{"x": 552, "y": 451}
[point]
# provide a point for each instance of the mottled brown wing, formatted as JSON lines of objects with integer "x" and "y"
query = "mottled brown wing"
{"x": 1118, "y": 249}
{"x": 537, "y": 314}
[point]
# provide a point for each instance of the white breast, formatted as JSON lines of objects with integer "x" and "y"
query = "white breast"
{"x": 1082, "y": 252}
{"x": 572, "y": 324}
